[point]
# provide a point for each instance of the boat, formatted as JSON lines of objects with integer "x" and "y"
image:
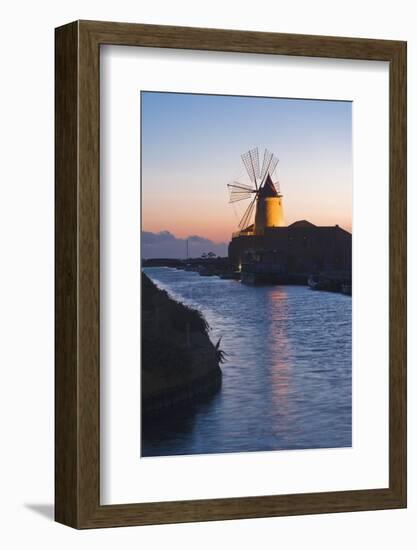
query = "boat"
{"x": 314, "y": 282}
{"x": 206, "y": 271}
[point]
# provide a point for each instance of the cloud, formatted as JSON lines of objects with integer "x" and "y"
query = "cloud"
{"x": 149, "y": 238}
{"x": 166, "y": 245}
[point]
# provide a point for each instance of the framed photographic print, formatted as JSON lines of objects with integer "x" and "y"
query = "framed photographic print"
{"x": 230, "y": 274}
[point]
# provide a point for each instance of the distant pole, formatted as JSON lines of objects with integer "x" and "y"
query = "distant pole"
{"x": 187, "y": 250}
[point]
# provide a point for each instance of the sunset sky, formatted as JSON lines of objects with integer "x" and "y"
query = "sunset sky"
{"x": 191, "y": 147}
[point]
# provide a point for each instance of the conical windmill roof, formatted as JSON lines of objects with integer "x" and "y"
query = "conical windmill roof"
{"x": 268, "y": 189}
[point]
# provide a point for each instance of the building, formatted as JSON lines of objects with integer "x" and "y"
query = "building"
{"x": 298, "y": 250}
{"x": 269, "y": 251}
{"x": 269, "y": 208}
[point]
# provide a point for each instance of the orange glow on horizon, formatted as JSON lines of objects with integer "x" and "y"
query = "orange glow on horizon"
{"x": 212, "y": 217}
{"x": 222, "y": 232}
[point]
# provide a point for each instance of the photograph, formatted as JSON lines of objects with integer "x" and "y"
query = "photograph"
{"x": 246, "y": 273}
{"x": 208, "y": 262}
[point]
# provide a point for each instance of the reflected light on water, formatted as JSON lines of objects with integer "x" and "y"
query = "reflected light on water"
{"x": 287, "y": 379}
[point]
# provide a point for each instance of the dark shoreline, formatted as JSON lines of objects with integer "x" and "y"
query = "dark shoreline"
{"x": 180, "y": 364}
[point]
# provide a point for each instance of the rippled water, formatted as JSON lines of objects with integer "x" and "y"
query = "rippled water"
{"x": 287, "y": 380}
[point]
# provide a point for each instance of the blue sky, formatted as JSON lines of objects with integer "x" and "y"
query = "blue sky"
{"x": 191, "y": 147}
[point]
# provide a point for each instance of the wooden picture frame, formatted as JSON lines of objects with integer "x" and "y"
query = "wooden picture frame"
{"x": 77, "y": 372}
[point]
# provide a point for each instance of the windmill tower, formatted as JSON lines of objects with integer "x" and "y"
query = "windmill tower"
{"x": 267, "y": 198}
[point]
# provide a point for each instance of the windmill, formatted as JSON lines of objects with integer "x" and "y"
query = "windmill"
{"x": 266, "y": 199}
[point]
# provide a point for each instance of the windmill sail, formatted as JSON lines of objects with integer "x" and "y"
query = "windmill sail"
{"x": 262, "y": 184}
{"x": 239, "y": 191}
{"x": 245, "y": 221}
{"x": 251, "y": 161}
{"x": 269, "y": 164}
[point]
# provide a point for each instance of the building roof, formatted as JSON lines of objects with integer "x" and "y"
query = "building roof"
{"x": 302, "y": 223}
{"x": 268, "y": 189}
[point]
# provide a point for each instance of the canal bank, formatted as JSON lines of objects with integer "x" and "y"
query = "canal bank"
{"x": 255, "y": 272}
{"x": 180, "y": 364}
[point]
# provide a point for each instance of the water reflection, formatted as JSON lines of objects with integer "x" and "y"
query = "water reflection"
{"x": 172, "y": 428}
{"x": 287, "y": 381}
{"x": 278, "y": 349}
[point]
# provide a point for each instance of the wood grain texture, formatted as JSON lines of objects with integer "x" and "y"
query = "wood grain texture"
{"x": 398, "y": 273}
{"x": 66, "y": 231}
{"x": 78, "y": 285}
